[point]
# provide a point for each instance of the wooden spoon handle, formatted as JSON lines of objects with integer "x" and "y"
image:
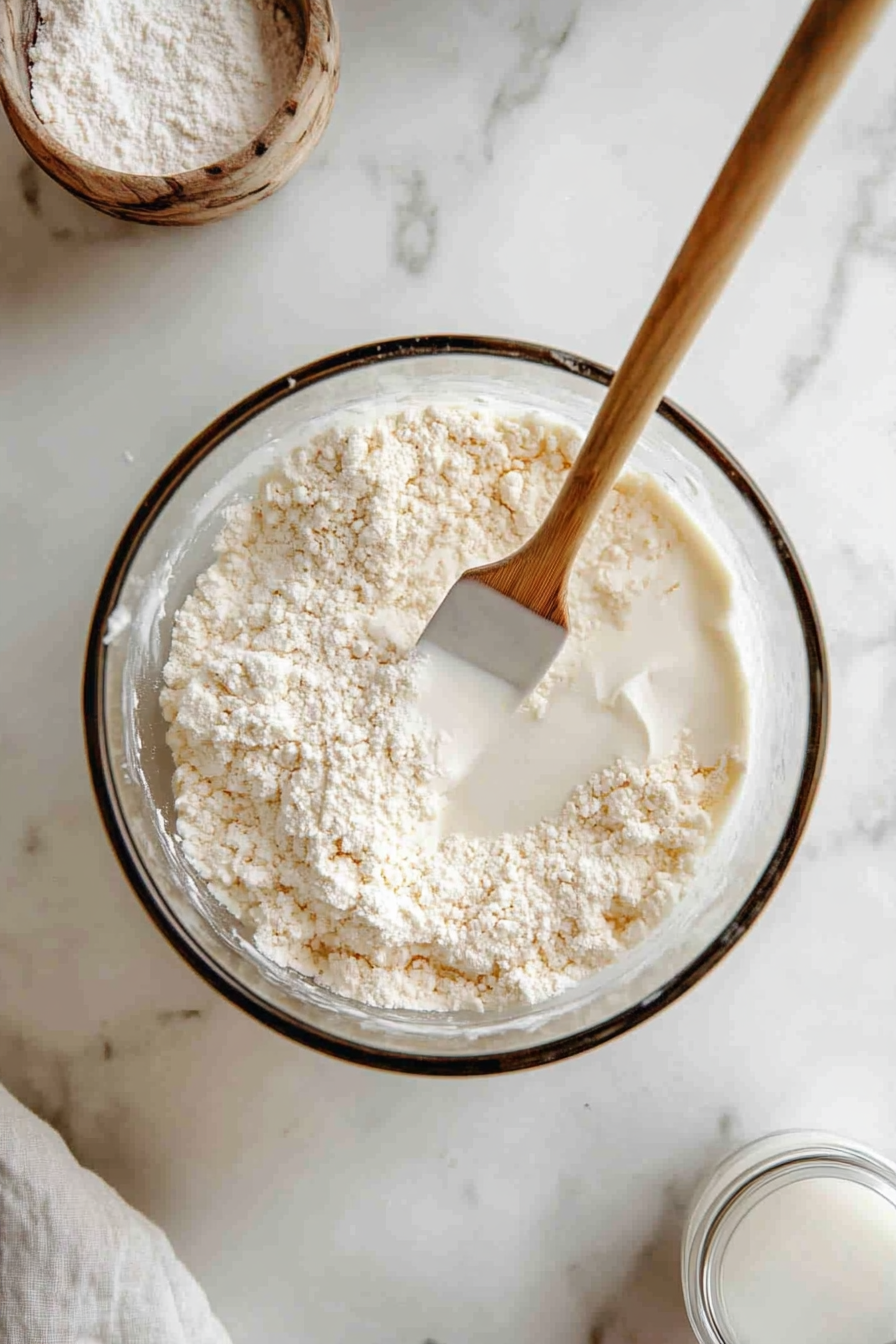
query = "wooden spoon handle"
{"x": 810, "y": 72}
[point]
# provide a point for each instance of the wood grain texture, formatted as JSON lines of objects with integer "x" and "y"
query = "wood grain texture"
{"x": 202, "y": 194}
{"x": 809, "y": 74}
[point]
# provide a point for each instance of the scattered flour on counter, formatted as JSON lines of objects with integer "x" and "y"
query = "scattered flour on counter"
{"x": 306, "y": 784}
{"x": 160, "y": 86}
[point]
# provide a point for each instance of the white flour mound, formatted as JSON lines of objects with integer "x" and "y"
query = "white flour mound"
{"x": 304, "y": 781}
{"x": 160, "y": 86}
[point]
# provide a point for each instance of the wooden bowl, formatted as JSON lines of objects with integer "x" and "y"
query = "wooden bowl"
{"x": 201, "y": 194}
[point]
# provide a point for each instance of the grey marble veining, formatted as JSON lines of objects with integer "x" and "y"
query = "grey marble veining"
{"x": 869, "y": 229}
{"x": 539, "y": 34}
{"x": 416, "y": 224}
{"x": 523, "y": 167}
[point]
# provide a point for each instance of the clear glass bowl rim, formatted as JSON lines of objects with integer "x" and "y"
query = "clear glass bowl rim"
{"x": 97, "y": 747}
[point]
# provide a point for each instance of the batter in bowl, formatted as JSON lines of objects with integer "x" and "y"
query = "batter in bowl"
{"x": 317, "y": 802}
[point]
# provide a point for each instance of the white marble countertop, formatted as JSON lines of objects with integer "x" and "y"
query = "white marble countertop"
{"x": 519, "y": 167}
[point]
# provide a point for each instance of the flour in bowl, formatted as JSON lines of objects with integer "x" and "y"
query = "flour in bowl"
{"x": 160, "y": 86}
{"x": 311, "y": 794}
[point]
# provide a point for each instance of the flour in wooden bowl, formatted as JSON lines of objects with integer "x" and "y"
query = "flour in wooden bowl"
{"x": 310, "y": 792}
{"x": 160, "y": 86}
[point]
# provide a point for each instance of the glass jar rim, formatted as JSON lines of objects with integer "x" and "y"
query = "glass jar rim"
{"x": 740, "y": 1183}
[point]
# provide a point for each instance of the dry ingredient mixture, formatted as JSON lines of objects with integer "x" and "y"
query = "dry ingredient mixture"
{"x": 307, "y": 784}
{"x": 160, "y": 86}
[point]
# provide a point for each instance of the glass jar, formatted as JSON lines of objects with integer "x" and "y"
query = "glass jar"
{"x": 794, "y": 1237}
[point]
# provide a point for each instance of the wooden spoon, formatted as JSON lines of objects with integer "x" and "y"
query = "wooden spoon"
{"x": 510, "y": 619}
{"x": 202, "y": 194}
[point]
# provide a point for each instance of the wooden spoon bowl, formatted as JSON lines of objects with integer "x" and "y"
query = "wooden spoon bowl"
{"x": 201, "y": 194}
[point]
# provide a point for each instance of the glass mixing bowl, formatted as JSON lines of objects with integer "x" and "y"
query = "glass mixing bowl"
{"x": 169, "y": 542}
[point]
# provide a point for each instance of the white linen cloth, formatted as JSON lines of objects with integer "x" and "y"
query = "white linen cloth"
{"x": 77, "y": 1264}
